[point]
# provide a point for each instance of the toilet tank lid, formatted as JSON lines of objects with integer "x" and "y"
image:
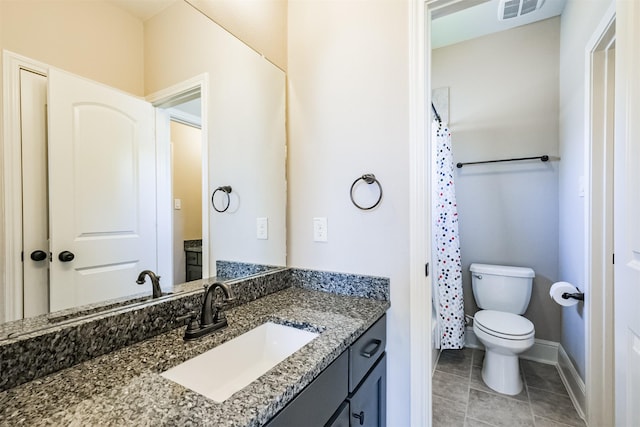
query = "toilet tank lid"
{"x": 501, "y": 270}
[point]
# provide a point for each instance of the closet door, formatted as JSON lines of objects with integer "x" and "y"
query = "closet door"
{"x": 35, "y": 210}
{"x": 102, "y": 191}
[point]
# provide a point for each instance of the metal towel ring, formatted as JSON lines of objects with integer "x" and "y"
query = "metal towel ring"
{"x": 369, "y": 178}
{"x": 225, "y": 189}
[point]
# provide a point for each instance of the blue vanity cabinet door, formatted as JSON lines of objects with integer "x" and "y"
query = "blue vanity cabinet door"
{"x": 368, "y": 404}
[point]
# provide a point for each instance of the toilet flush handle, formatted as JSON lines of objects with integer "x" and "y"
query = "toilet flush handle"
{"x": 478, "y": 276}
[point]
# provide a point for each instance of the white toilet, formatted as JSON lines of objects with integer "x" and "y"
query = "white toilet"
{"x": 502, "y": 293}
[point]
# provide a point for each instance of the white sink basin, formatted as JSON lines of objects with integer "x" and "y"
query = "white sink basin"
{"x": 223, "y": 370}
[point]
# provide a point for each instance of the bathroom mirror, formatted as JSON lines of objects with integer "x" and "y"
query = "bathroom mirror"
{"x": 153, "y": 54}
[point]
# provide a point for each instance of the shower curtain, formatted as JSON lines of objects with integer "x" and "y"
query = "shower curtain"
{"x": 447, "y": 299}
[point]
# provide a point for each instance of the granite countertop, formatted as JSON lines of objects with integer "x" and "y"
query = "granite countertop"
{"x": 125, "y": 387}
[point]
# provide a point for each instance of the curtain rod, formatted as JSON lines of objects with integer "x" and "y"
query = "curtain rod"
{"x": 544, "y": 158}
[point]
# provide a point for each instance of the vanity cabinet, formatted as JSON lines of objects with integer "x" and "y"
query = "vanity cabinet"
{"x": 351, "y": 392}
{"x": 194, "y": 264}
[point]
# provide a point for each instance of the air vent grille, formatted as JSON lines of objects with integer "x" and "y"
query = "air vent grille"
{"x": 528, "y": 6}
{"x": 513, "y": 8}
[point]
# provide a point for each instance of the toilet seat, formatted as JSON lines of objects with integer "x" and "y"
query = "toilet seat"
{"x": 504, "y": 325}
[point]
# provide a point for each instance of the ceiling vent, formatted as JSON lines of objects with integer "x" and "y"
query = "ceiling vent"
{"x": 513, "y": 8}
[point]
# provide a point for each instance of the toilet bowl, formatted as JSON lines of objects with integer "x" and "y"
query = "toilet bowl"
{"x": 504, "y": 336}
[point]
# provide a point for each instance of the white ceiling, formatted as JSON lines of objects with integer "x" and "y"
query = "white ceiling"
{"x": 142, "y": 9}
{"x": 482, "y": 19}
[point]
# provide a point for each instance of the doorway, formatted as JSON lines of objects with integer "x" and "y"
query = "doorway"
{"x": 599, "y": 224}
{"x": 181, "y": 142}
{"x": 186, "y": 188}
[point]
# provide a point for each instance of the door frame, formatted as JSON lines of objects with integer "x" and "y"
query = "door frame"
{"x": 599, "y": 168}
{"x": 160, "y": 100}
{"x": 420, "y": 304}
{"x": 11, "y": 240}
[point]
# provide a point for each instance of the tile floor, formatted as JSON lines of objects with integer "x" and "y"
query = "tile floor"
{"x": 460, "y": 397}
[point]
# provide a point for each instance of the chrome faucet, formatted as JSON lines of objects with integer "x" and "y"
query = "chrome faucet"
{"x": 155, "y": 282}
{"x": 212, "y": 317}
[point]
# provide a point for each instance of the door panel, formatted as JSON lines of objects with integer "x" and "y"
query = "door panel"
{"x": 35, "y": 221}
{"x": 102, "y": 178}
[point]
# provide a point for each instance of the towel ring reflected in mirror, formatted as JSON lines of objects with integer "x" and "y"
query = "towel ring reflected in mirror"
{"x": 226, "y": 189}
{"x": 369, "y": 178}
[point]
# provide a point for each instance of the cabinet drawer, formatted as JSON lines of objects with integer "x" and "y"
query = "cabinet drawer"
{"x": 194, "y": 273}
{"x": 192, "y": 258}
{"x": 316, "y": 404}
{"x": 365, "y": 351}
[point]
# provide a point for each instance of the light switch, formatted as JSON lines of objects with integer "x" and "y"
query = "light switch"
{"x": 262, "y": 228}
{"x": 320, "y": 230}
{"x": 177, "y": 204}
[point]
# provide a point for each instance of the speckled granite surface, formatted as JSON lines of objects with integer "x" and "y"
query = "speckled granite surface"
{"x": 342, "y": 283}
{"x": 47, "y": 348}
{"x": 124, "y": 387}
{"x": 62, "y": 317}
{"x": 241, "y": 269}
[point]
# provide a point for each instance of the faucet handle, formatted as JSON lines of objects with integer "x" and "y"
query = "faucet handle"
{"x": 190, "y": 316}
{"x": 194, "y": 324}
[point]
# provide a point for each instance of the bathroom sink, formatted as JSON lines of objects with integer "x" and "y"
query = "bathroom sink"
{"x": 229, "y": 367}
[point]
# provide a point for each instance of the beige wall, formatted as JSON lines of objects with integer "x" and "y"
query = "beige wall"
{"x": 504, "y": 104}
{"x": 246, "y": 127}
{"x": 348, "y": 115}
{"x": 90, "y": 38}
{"x": 187, "y": 177}
{"x": 262, "y": 24}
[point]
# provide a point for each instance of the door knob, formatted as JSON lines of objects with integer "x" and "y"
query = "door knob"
{"x": 38, "y": 255}
{"x": 66, "y": 256}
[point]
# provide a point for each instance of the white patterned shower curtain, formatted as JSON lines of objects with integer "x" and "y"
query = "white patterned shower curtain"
{"x": 447, "y": 293}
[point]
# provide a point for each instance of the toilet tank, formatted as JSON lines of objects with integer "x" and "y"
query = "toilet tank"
{"x": 501, "y": 287}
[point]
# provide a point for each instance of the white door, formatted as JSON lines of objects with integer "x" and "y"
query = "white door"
{"x": 102, "y": 186}
{"x": 35, "y": 230}
{"x": 627, "y": 215}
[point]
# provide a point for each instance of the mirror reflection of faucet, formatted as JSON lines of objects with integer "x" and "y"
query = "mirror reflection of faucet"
{"x": 212, "y": 317}
{"x": 155, "y": 282}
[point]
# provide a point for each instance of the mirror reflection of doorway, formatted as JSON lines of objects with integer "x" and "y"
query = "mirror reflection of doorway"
{"x": 186, "y": 183}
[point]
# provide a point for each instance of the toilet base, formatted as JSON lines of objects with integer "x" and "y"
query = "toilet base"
{"x": 501, "y": 372}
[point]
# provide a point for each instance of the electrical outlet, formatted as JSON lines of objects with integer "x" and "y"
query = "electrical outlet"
{"x": 262, "y": 228}
{"x": 320, "y": 230}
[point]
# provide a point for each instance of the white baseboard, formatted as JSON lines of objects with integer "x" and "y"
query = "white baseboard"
{"x": 572, "y": 381}
{"x": 543, "y": 351}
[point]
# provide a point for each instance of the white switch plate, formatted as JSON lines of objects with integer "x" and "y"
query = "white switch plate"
{"x": 262, "y": 228}
{"x": 320, "y": 230}
{"x": 177, "y": 204}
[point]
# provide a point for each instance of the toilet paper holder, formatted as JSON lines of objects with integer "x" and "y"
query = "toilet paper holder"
{"x": 577, "y": 295}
